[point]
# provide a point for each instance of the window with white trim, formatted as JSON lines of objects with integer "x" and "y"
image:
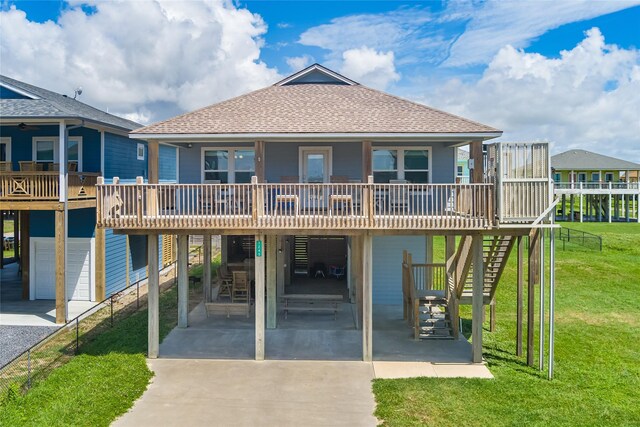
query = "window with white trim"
{"x": 410, "y": 164}
{"x": 46, "y": 150}
{"x": 228, "y": 165}
{"x": 608, "y": 177}
{"x": 140, "y": 151}
{"x": 595, "y": 177}
{"x": 5, "y": 149}
{"x": 557, "y": 177}
{"x": 460, "y": 170}
{"x": 582, "y": 177}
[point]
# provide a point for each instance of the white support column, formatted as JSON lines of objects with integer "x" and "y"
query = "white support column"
{"x": 367, "y": 298}
{"x": 259, "y": 303}
{"x": 542, "y": 302}
{"x": 477, "y": 303}
{"x": 183, "y": 280}
{"x": 153, "y": 297}
{"x": 581, "y": 211}
{"x": 206, "y": 267}
{"x": 609, "y": 207}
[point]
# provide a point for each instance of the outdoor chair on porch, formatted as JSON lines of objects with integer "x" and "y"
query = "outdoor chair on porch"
{"x": 6, "y": 166}
{"x": 240, "y": 291}
{"x": 226, "y": 283}
{"x": 27, "y": 166}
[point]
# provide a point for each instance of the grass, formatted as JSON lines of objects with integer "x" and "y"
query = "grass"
{"x": 597, "y": 370}
{"x": 102, "y": 382}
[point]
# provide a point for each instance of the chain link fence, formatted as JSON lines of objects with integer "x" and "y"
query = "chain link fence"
{"x": 36, "y": 363}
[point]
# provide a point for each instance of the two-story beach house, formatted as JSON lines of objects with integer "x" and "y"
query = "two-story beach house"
{"x": 325, "y": 189}
{"x": 53, "y": 148}
{"x": 595, "y": 187}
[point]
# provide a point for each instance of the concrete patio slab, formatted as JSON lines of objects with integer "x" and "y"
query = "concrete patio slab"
{"x": 395, "y": 370}
{"x": 38, "y": 312}
{"x": 249, "y": 393}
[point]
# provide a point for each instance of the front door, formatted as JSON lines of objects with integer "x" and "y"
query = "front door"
{"x": 316, "y": 165}
{"x": 315, "y": 168}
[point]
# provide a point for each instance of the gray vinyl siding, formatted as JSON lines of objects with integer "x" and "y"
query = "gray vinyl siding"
{"x": 282, "y": 159}
{"x": 387, "y": 265}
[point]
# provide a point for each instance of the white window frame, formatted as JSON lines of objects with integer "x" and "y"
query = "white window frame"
{"x": 580, "y": 175}
{"x": 140, "y": 151}
{"x": 56, "y": 149}
{"x": 326, "y": 149}
{"x": 594, "y": 174}
{"x": 231, "y": 171}
{"x": 459, "y": 170}
{"x": 557, "y": 177}
{"x": 400, "y": 159}
{"x": 7, "y": 141}
{"x": 607, "y": 175}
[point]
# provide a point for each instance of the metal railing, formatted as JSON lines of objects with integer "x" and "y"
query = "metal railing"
{"x": 259, "y": 206}
{"x": 52, "y": 351}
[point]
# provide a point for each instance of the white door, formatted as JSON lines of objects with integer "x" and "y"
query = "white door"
{"x": 315, "y": 168}
{"x": 79, "y": 265}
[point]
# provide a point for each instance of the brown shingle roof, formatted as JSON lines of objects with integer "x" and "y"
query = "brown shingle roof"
{"x": 316, "y": 108}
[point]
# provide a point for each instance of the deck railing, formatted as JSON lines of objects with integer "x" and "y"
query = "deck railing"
{"x": 44, "y": 186}
{"x": 295, "y": 206}
{"x": 596, "y": 186}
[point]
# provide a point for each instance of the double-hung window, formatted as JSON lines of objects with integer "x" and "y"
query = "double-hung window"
{"x": 410, "y": 164}
{"x": 46, "y": 150}
{"x": 608, "y": 177}
{"x": 557, "y": 177}
{"x": 595, "y": 177}
{"x": 228, "y": 165}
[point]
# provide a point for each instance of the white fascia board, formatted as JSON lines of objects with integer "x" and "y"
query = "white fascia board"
{"x": 312, "y": 136}
{"x": 19, "y": 91}
{"x": 316, "y": 67}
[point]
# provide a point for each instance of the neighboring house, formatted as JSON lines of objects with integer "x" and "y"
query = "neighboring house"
{"x": 462, "y": 166}
{"x": 34, "y": 123}
{"x": 594, "y": 187}
{"x": 323, "y": 176}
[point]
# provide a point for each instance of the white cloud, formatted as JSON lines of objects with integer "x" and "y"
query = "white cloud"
{"x": 494, "y": 24}
{"x": 369, "y": 67}
{"x": 587, "y": 98}
{"x": 135, "y": 58}
{"x": 297, "y": 63}
{"x": 463, "y": 33}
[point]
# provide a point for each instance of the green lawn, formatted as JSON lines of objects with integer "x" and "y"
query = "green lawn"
{"x": 102, "y": 382}
{"x": 597, "y": 371}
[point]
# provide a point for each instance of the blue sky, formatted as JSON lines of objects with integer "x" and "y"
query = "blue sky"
{"x": 564, "y": 71}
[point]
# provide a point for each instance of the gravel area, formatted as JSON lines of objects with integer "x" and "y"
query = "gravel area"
{"x": 16, "y": 339}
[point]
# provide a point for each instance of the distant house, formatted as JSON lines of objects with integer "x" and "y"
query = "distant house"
{"x": 35, "y": 163}
{"x": 595, "y": 187}
{"x": 462, "y": 166}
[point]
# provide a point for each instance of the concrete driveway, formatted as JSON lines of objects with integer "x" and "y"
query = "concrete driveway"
{"x": 248, "y": 393}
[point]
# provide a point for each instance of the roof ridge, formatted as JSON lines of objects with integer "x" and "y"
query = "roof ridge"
{"x": 429, "y": 107}
{"x": 202, "y": 108}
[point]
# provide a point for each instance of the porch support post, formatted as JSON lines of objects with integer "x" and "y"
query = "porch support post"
{"x": 367, "y": 293}
{"x": 367, "y": 167}
{"x": 259, "y": 303}
{"x": 428, "y": 259}
{"x": 224, "y": 250}
{"x": 183, "y": 280}
{"x": 477, "y": 303}
{"x": 272, "y": 249}
{"x": 153, "y": 297}
{"x": 100, "y": 264}
{"x": 520, "y": 295}
{"x": 356, "y": 263}
{"x": 534, "y": 247}
{"x": 15, "y": 239}
{"x": 206, "y": 268}
{"x": 280, "y": 265}
{"x": 475, "y": 153}
{"x": 25, "y": 252}
{"x": 259, "y": 160}
{"x": 152, "y": 160}
{"x": 61, "y": 312}
{"x": 450, "y": 256}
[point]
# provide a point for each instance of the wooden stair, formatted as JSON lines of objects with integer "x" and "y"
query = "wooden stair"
{"x": 301, "y": 254}
{"x": 496, "y": 251}
{"x": 432, "y": 318}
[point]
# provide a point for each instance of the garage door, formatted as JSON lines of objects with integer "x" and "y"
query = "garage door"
{"x": 78, "y": 268}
